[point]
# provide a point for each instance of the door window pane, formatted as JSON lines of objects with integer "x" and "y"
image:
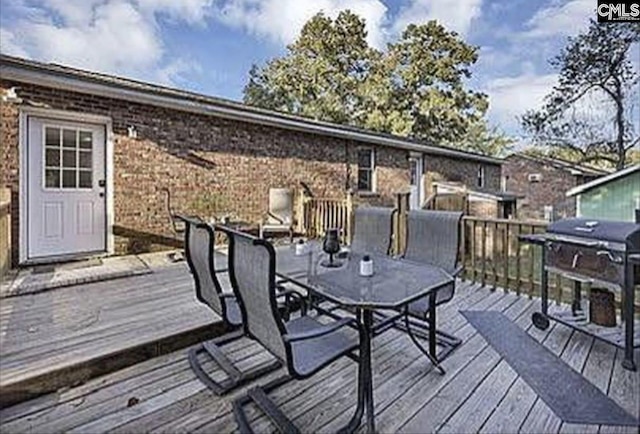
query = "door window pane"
{"x": 52, "y": 137}
{"x": 52, "y": 178}
{"x": 52, "y": 158}
{"x": 86, "y": 139}
{"x": 85, "y": 179}
{"x": 71, "y": 166}
{"x": 85, "y": 159}
{"x": 68, "y": 179}
{"x": 69, "y": 159}
{"x": 69, "y": 138}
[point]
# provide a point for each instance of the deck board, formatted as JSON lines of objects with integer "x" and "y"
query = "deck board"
{"x": 67, "y": 328}
{"x": 479, "y": 392}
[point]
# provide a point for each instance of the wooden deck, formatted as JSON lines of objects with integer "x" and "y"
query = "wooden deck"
{"x": 479, "y": 393}
{"x": 67, "y": 335}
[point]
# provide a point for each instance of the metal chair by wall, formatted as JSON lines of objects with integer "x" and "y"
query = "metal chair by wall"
{"x": 303, "y": 344}
{"x": 373, "y": 229}
{"x": 280, "y": 215}
{"x": 205, "y": 267}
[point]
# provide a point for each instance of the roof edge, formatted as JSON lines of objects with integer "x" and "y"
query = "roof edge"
{"x": 603, "y": 180}
{"x": 71, "y": 79}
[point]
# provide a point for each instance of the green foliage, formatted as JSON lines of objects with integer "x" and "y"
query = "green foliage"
{"x": 594, "y": 67}
{"x": 415, "y": 88}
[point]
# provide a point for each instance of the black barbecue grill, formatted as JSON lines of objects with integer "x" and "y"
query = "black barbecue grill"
{"x": 600, "y": 252}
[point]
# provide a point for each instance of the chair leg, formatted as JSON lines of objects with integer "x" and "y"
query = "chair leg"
{"x": 258, "y": 395}
{"x": 235, "y": 377}
{"x": 430, "y": 353}
{"x": 423, "y": 329}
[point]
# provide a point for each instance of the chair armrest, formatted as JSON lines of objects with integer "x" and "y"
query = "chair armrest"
{"x": 284, "y": 292}
{"x": 281, "y": 221}
{"x": 320, "y": 331}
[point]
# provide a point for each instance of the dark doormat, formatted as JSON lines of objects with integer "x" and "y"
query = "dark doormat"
{"x": 571, "y": 397}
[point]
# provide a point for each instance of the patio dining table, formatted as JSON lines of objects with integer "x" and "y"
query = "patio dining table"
{"x": 395, "y": 284}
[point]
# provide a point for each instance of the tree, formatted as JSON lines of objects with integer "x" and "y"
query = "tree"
{"x": 415, "y": 88}
{"x": 597, "y": 77}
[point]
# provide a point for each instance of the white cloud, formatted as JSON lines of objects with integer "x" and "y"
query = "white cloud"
{"x": 116, "y": 38}
{"x": 511, "y": 97}
{"x": 113, "y": 36}
{"x": 9, "y": 44}
{"x": 456, "y": 15}
{"x": 561, "y": 19}
{"x": 191, "y": 11}
{"x": 281, "y": 20}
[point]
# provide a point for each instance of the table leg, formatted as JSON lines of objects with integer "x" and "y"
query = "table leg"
{"x": 365, "y": 389}
{"x": 365, "y": 354}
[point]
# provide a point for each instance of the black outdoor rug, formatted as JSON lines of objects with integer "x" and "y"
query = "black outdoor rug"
{"x": 571, "y": 397}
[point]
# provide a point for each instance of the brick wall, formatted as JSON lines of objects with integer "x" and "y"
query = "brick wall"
{"x": 549, "y": 191}
{"x": 211, "y": 165}
{"x": 438, "y": 168}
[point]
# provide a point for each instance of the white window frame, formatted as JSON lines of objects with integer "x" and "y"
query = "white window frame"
{"x": 371, "y": 168}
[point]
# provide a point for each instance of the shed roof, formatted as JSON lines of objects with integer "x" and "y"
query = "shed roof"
{"x": 78, "y": 80}
{"x": 604, "y": 180}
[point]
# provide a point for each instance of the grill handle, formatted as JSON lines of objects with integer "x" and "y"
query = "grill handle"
{"x": 607, "y": 253}
{"x": 579, "y": 242}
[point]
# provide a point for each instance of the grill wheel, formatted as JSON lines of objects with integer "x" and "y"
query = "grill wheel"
{"x": 540, "y": 320}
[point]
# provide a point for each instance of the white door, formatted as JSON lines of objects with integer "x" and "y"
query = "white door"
{"x": 415, "y": 187}
{"x": 66, "y": 204}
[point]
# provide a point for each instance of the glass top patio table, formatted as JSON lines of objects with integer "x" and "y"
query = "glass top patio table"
{"x": 394, "y": 284}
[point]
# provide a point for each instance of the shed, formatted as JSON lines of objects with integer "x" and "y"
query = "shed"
{"x": 612, "y": 197}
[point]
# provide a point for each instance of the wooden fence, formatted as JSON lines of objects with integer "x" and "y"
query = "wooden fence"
{"x": 5, "y": 230}
{"x": 320, "y": 214}
{"x": 492, "y": 254}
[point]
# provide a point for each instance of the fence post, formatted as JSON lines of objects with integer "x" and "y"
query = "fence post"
{"x": 5, "y": 230}
{"x": 400, "y": 235}
{"x": 349, "y": 226}
{"x": 301, "y": 217}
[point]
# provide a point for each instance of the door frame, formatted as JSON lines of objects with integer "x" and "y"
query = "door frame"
{"x": 419, "y": 158}
{"x": 23, "y": 136}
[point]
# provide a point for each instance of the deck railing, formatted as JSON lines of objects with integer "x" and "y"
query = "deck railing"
{"x": 5, "y": 230}
{"x": 320, "y": 214}
{"x": 492, "y": 254}
{"x": 489, "y": 248}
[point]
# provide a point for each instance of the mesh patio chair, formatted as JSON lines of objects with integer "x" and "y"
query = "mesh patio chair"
{"x": 372, "y": 232}
{"x": 280, "y": 215}
{"x": 303, "y": 344}
{"x": 203, "y": 263}
{"x": 433, "y": 238}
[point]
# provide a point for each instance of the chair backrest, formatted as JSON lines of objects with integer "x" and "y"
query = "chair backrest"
{"x": 372, "y": 232}
{"x": 280, "y": 205}
{"x": 433, "y": 238}
{"x": 199, "y": 251}
{"x": 252, "y": 268}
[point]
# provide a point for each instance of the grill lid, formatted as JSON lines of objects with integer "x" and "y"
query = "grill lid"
{"x": 604, "y": 230}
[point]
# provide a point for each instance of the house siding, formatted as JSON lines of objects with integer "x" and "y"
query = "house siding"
{"x": 615, "y": 200}
{"x": 212, "y": 166}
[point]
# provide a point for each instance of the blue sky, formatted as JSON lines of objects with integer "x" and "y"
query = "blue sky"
{"x": 209, "y": 45}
